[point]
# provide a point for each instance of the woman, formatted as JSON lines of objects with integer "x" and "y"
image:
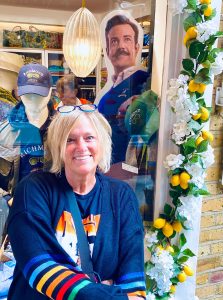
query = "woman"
{"x": 41, "y": 227}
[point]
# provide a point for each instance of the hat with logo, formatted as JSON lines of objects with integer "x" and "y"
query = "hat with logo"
{"x": 34, "y": 79}
{"x": 142, "y": 116}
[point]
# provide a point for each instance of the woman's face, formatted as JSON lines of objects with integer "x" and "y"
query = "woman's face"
{"x": 82, "y": 153}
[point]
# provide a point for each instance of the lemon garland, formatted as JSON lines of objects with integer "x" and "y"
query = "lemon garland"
{"x": 168, "y": 264}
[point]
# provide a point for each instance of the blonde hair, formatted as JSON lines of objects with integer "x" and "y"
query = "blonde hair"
{"x": 58, "y": 133}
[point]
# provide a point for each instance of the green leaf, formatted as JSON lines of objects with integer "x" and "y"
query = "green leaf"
{"x": 203, "y": 76}
{"x": 183, "y": 259}
{"x": 176, "y": 250}
{"x": 176, "y": 202}
{"x": 182, "y": 241}
{"x": 202, "y": 147}
{"x": 188, "y": 64}
{"x": 168, "y": 209}
{"x": 195, "y": 49}
{"x": 201, "y": 102}
{"x": 189, "y": 22}
{"x": 202, "y": 56}
{"x": 203, "y": 192}
{"x": 186, "y": 73}
{"x": 194, "y": 159}
{"x": 192, "y": 4}
{"x": 188, "y": 252}
{"x": 160, "y": 235}
{"x": 174, "y": 280}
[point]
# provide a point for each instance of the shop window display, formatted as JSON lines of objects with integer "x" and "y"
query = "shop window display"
{"x": 130, "y": 107}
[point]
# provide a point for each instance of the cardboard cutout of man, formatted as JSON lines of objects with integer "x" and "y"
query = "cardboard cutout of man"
{"x": 122, "y": 44}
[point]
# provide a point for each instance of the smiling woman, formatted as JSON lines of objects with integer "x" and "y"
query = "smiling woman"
{"x": 47, "y": 245}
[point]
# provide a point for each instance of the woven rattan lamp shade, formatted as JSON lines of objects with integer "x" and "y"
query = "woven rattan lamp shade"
{"x": 81, "y": 42}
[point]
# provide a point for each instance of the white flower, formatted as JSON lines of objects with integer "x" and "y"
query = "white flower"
{"x": 151, "y": 238}
{"x": 150, "y": 296}
{"x": 205, "y": 30}
{"x": 207, "y": 157}
{"x": 197, "y": 173}
{"x": 177, "y": 6}
{"x": 181, "y": 132}
{"x": 173, "y": 161}
{"x": 217, "y": 66}
{"x": 162, "y": 271}
{"x": 189, "y": 209}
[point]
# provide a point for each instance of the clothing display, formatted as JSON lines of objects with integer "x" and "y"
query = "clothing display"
{"x": 46, "y": 265}
{"x": 21, "y": 147}
{"x": 110, "y": 107}
{"x": 7, "y": 102}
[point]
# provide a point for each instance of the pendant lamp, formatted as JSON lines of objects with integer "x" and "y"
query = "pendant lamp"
{"x": 81, "y": 42}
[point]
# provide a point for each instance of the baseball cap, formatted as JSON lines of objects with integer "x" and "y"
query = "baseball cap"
{"x": 34, "y": 79}
{"x": 142, "y": 116}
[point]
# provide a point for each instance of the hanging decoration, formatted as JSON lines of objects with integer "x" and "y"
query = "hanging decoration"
{"x": 169, "y": 263}
{"x": 81, "y": 42}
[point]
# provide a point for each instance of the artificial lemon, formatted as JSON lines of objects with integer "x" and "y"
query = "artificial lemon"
{"x": 207, "y": 135}
{"x": 177, "y": 226}
{"x": 159, "y": 223}
{"x": 192, "y": 32}
{"x": 208, "y": 11}
{"x": 205, "y": 1}
{"x": 184, "y": 185}
{"x": 188, "y": 271}
{"x": 199, "y": 140}
{"x": 182, "y": 276}
{"x": 204, "y": 114}
{"x": 167, "y": 229}
{"x": 201, "y": 88}
{"x": 186, "y": 38}
{"x": 193, "y": 86}
{"x": 173, "y": 289}
{"x": 169, "y": 249}
{"x": 196, "y": 117}
{"x": 184, "y": 177}
{"x": 175, "y": 180}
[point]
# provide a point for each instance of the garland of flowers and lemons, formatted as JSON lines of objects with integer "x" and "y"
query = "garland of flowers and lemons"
{"x": 168, "y": 264}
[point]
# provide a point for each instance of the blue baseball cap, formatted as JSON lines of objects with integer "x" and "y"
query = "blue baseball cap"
{"x": 34, "y": 79}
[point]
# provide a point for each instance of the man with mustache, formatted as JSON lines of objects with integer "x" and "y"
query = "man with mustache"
{"x": 122, "y": 47}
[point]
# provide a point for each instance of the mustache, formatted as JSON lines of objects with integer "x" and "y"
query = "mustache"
{"x": 121, "y": 52}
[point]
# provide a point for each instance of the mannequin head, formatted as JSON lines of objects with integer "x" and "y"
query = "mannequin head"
{"x": 35, "y": 103}
{"x": 34, "y": 89}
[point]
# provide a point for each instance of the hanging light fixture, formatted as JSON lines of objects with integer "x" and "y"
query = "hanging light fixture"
{"x": 81, "y": 42}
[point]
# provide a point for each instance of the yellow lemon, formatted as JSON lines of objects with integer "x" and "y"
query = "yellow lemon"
{"x": 192, "y": 32}
{"x": 186, "y": 38}
{"x": 184, "y": 185}
{"x": 182, "y": 276}
{"x": 160, "y": 249}
{"x": 170, "y": 249}
{"x": 159, "y": 223}
{"x": 193, "y": 86}
{"x": 201, "y": 88}
{"x": 199, "y": 140}
{"x": 204, "y": 114}
{"x": 188, "y": 271}
{"x": 208, "y": 11}
{"x": 177, "y": 226}
{"x": 207, "y": 135}
{"x": 173, "y": 289}
{"x": 175, "y": 180}
{"x": 205, "y": 1}
{"x": 184, "y": 177}
{"x": 196, "y": 117}
{"x": 167, "y": 229}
